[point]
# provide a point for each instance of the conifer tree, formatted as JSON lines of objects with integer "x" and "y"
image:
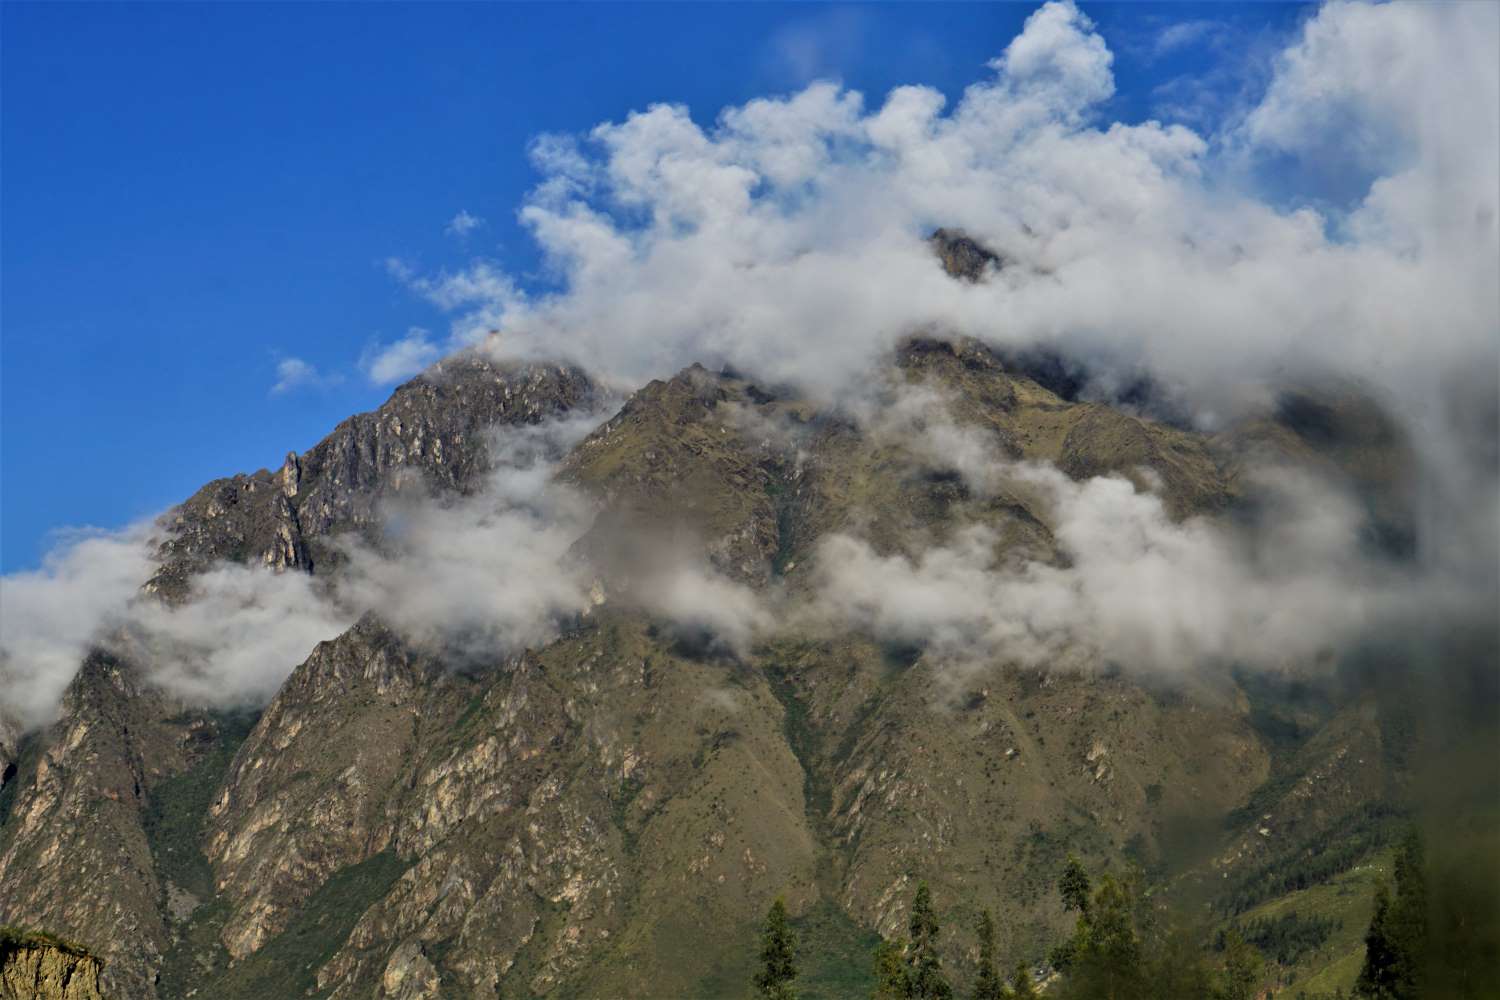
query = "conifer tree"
{"x": 1073, "y": 884}
{"x": 1378, "y": 974}
{"x": 1396, "y": 943}
{"x": 890, "y": 972}
{"x": 924, "y": 968}
{"x": 988, "y": 985}
{"x": 1408, "y": 918}
{"x": 778, "y": 956}
{"x": 1021, "y": 986}
{"x": 1242, "y": 968}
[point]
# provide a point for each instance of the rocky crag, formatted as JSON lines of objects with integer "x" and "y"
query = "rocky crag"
{"x": 40, "y": 967}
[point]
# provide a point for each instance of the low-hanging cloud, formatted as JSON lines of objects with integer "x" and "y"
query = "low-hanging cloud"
{"x": 484, "y": 574}
{"x": 1133, "y": 588}
{"x": 474, "y": 578}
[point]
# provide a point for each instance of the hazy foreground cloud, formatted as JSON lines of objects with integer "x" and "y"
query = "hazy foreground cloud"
{"x": 485, "y": 574}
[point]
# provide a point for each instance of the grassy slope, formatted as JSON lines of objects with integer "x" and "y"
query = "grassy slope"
{"x": 1347, "y": 899}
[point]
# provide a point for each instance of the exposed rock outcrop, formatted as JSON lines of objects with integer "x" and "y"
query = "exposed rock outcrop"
{"x": 37, "y": 967}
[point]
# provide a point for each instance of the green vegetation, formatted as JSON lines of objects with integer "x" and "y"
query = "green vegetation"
{"x": 1396, "y": 953}
{"x": 924, "y": 968}
{"x": 831, "y": 946}
{"x": 1336, "y": 849}
{"x": 287, "y": 965}
{"x": 988, "y": 985}
{"x": 177, "y": 807}
{"x": 1285, "y": 937}
{"x": 778, "y": 956}
{"x": 912, "y": 969}
{"x": 15, "y": 938}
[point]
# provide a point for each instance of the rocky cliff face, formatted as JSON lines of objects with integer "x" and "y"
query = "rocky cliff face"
{"x": 610, "y": 813}
{"x": 35, "y": 968}
{"x": 432, "y": 434}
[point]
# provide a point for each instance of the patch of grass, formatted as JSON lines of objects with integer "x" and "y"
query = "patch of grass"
{"x": 835, "y": 954}
{"x": 1317, "y": 859}
{"x": 806, "y": 744}
{"x": 176, "y": 807}
{"x": 15, "y": 938}
{"x": 1343, "y": 903}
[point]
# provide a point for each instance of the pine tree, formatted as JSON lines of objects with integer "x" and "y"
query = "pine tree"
{"x": 1074, "y": 886}
{"x": 890, "y": 972}
{"x": 1242, "y": 968}
{"x": 778, "y": 956}
{"x": 1396, "y": 943}
{"x": 924, "y": 968}
{"x": 1021, "y": 986}
{"x": 1378, "y": 975}
{"x": 1111, "y": 947}
{"x": 988, "y": 985}
{"x": 1408, "y": 918}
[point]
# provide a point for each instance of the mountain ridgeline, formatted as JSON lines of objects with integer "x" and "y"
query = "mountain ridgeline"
{"x": 612, "y": 812}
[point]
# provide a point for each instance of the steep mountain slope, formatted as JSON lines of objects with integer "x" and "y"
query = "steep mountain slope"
{"x": 609, "y": 814}
{"x": 120, "y": 738}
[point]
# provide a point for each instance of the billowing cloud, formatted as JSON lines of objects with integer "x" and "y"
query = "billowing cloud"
{"x": 1133, "y": 588}
{"x": 481, "y": 574}
{"x": 474, "y": 578}
{"x": 786, "y": 238}
{"x": 49, "y": 616}
{"x": 232, "y": 642}
{"x": 400, "y": 359}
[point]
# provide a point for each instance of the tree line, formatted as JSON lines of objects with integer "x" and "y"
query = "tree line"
{"x": 1123, "y": 948}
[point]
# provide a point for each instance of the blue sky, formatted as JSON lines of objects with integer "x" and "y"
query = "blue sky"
{"x": 193, "y": 194}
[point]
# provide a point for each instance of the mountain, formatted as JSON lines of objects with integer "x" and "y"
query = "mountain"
{"x": 610, "y": 813}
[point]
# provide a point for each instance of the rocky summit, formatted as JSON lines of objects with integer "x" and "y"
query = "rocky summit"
{"x": 611, "y": 812}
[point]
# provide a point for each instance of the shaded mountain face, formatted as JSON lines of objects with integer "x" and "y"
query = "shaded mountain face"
{"x": 611, "y": 812}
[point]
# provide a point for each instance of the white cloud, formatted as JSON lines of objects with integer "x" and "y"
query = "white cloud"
{"x": 1187, "y": 34}
{"x": 400, "y": 359}
{"x": 815, "y": 46}
{"x": 462, "y": 224}
{"x": 1134, "y": 589}
{"x": 294, "y": 373}
{"x": 49, "y": 616}
{"x": 786, "y": 238}
{"x": 483, "y": 574}
{"x": 476, "y": 577}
